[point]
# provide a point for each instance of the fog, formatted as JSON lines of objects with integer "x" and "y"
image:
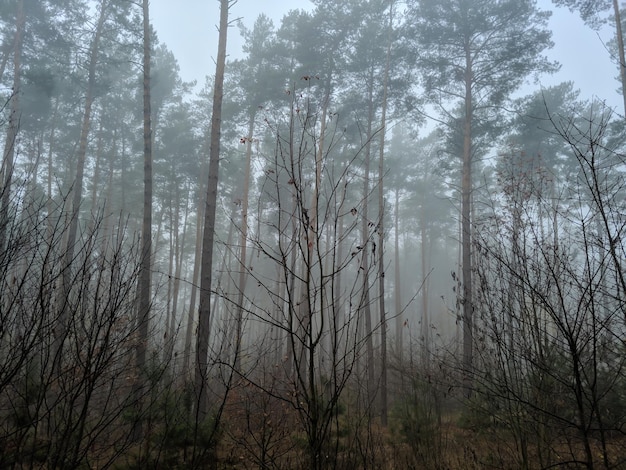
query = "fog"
{"x": 345, "y": 234}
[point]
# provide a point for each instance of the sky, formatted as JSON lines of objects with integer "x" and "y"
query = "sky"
{"x": 189, "y": 29}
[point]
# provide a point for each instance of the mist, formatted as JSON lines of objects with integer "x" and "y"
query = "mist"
{"x": 345, "y": 234}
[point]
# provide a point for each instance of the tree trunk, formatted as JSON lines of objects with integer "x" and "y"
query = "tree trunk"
{"x": 466, "y": 191}
{"x": 49, "y": 205}
{"x": 77, "y": 189}
{"x": 241, "y": 285}
{"x": 398, "y": 283}
{"x": 201, "y": 198}
{"x": 424, "y": 289}
{"x": 620, "y": 46}
{"x": 95, "y": 183}
{"x": 6, "y": 171}
{"x": 381, "y": 235}
{"x": 143, "y": 304}
{"x": 316, "y": 226}
{"x": 180, "y": 250}
{"x": 204, "y": 310}
{"x": 365, "y": 306}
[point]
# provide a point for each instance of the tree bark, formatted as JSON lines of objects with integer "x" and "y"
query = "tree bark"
{"x": 77, "y": 191}
{"x": 201, "y": 198}
{"x": 241, "y": 285}
{"x": 381, "y": 234}
{"x": 180, "y": 251}
{"x": 6, "y": 171}
{"x": 466, "y": 241}
{"x": 204, "y": 310}
{"x": 425, "y": 316}
{"x": 143, "y": 304}
{"x": 620, "y": 46}
{"x": 366, "y": 307}
{"x": 398, "y": 283}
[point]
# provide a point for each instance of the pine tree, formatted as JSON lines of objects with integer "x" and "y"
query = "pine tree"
{"x": 473, "y": 54}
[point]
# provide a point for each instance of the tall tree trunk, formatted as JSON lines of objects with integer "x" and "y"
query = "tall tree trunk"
{"x": 6, "y": 171}
{"x": 398, "y": 281}
{"x": 424, "y": 288}
{"x": 204, "y": 311}
{"x": 174, "y": 219}
{"x": 49, "y": 204}
{"x": 108, "y": 223}
{"x": 77, "y": 187}
{"x": 143, "y": 307}
{"x": 243, "y": 241}
{"x": 201, "y": 198}
{"x": 466, "y": 227}
{"x": 180, "y": 250}
{"x": 620, "y": 46}
{"x": 365, "y": 306}
{"x": 226, "y": 266}
{"x": 96, "y": 171}
{"x": 315, "y": 227}
{"x": 319, "y": 155}
{"x": 381, "y": 233}
{"x": 292, "y": 286}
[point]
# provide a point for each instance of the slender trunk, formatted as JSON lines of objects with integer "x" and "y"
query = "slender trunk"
{"x": 196, "y": 271}
{"x": 204, "y": 311}
{"x": 49, "y": 204}
{"x": 108, "y": 223}
{"x": 180, "y": 250}
{"x": 319, "y": 155}
{"x": 6, "y": 171}
{"x": 292, "y": 288}
{"x": 277, "y": 336}
{"x": 365, "y": 238}
{"x": 316, "y": 226}
{"x": 143, "y": 307}
{"x": 170, "y": 267}
{"x": 77, "y": 190}
{"x": 466, "y": 190}
{"x": 241, "y": 285}
{"x": 425, "y": 316}
{"x": 174, "y": 218}
{"x": 96, "y": 171}
{"x": 620, "y": 46}
{"x": 398, "y": 280}
{"x": 381, "y": 234}
{"x": 226, "y": 266}
{"x": 457, "y": 278}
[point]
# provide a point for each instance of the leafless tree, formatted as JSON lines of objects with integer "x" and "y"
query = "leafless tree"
{"x": 552, "y": 303}
{"x": 305, "y": 334}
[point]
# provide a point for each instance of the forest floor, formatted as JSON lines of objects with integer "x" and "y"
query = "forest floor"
{"x": 451, "y": 445}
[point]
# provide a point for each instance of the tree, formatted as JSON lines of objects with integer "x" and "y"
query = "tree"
{"x": 144, "y": 294}
{"x": 474, "y": 54}
{"x": 6, "y": 171}
{"x": 258, "y": 81}
{"x": 204, "y": 307}
{"x": 27, "y": 25}
{"x": 381, "y": 225}
{"x": 316, "y": 286}
{"x": 108, "y": 12}
{"x": 551, "y": 304}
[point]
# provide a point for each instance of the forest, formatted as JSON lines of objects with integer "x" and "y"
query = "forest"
{"x": 369, "y": 240}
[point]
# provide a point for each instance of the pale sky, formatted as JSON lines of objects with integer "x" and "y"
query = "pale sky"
{"x": 188, "y": 28}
